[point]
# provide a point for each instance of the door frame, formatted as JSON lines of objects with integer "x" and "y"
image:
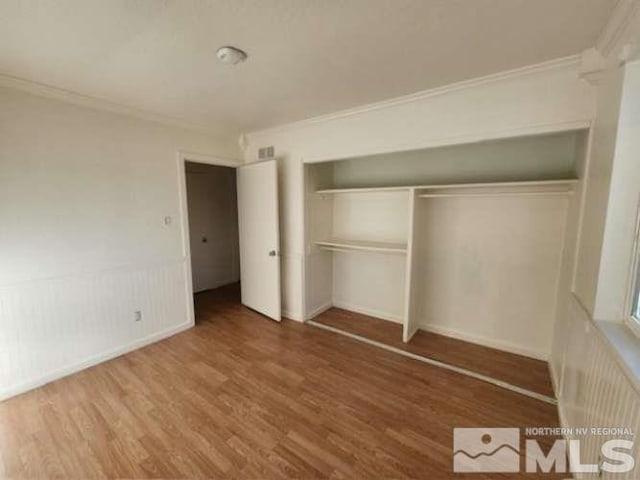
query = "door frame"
{"x": 183, "y": 212}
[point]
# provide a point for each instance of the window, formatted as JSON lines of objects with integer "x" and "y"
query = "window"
{"x": 634, "y": 290}
{"x": 635, "y": 300}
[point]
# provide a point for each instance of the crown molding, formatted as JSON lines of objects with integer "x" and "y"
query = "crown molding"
{"x": 572, "y": 61}
{"x": 630, "y": 53}
{"x": 592, "y": 66}
{"x": 71, "y": 97}
{"x": 620, "y": 19}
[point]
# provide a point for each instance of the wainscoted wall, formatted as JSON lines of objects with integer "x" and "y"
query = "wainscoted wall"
{"x": 91, "y": 232}
{"x": 53, "y": 327}
{"x": 291, "y": 305}
{"x": 593, "y": 389}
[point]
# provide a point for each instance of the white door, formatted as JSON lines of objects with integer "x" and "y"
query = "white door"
{"x": 259, "y": 230}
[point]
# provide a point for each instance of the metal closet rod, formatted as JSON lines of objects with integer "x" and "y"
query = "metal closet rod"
{"x": 493, "y": 194}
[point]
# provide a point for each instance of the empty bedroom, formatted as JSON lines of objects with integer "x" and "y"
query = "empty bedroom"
{"x": 349, "y": 239}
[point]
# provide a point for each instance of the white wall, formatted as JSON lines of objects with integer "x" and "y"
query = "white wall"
{"x": 533, "y": 100}
{"x": 597, "y": 187}
{"x": 623, "y": 203}
{"x": 83, "y": 243}
{"x": 487, "y": 269}
{"x": 213, "y": 216}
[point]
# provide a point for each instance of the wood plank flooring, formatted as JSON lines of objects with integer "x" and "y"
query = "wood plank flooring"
{"x": 242, "y": 397}
{"x": 515, "y": 369}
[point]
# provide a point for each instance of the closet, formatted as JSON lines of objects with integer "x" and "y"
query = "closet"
{"x": 466, "y": 241}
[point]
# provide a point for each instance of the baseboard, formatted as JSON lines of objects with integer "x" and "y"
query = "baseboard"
{"x": 292, "y": 316}
{"x": 220, "y": 284}
{"x": 368, "y": 311}
{"x": 91, "y": 361}
{"x": 561, "y": 416}
{"x": 410, "y": 335}
{"x": 486, "y": 342}
{"x": 554, "y": 380}
{"x": 318, "y": 310}
{"x": 447, "y": 332}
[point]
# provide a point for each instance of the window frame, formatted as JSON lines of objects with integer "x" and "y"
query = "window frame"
{"x": 633, "y": 293}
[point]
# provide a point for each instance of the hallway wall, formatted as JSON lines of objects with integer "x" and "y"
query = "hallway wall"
{"x": 213, "y": 225}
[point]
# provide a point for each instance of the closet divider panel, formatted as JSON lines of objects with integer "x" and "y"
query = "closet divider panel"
{"x": 411, "y": 319}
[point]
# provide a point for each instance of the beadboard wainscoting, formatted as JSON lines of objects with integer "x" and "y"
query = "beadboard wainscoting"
{"x": 52, "y": 327}
{"x": 291, "y": 306}
{"x": 593, "y": 390}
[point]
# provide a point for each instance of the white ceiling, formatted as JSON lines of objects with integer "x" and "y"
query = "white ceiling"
{"x": 306, "y": 57}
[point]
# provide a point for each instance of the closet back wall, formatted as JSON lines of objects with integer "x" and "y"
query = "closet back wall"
{"x": 540, "y": 157}
{"x": 365, "y": 283}
{"x": 487, "y": 269}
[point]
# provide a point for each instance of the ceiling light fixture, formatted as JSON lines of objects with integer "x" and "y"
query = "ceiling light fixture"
{"x": 231, "y": 55}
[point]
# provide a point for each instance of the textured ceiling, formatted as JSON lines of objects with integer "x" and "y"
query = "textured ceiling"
{"x": 306, "y": 57}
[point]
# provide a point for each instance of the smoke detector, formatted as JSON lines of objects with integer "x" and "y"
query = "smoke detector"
{"x": 231, "y": 55}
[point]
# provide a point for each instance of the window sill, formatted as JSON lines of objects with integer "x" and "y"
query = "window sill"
{"x": 625, "y": 346}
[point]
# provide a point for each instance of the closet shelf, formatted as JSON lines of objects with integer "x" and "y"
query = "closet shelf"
{"x": 536, "y": 186}
{"x": 341, "y": 244}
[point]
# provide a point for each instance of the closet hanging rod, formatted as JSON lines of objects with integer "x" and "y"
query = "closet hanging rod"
{"x": 362, "y": 250}
{"x": 557, "y": 184}
{"x": 493, "y": 194}
{"x": 343, "y": 245}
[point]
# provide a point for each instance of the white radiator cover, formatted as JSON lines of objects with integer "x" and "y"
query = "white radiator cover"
{"x": 593, "y": 389}
{"x": 53, "y": 327}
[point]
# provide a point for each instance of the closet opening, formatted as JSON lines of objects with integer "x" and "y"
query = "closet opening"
{"x": 457, "y": 254}
{"x": 212, "y": 207}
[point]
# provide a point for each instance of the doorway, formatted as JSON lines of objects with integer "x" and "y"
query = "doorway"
{"x": 251, "y": 251}
{"x": 212, "y": 205}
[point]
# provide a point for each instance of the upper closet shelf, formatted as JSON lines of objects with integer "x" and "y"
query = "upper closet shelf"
{"x": 341, "y": 244}
{"x": 460, "y": 189}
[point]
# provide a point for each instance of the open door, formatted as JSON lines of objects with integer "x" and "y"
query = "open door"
{"x": 259, "y": 231}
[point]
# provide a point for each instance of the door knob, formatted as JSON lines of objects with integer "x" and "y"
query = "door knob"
{"x": 273, "y": 253}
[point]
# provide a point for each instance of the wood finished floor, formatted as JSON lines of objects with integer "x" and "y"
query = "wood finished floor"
{"x": 517, "y": 370}
{"x": 242, "y": 397}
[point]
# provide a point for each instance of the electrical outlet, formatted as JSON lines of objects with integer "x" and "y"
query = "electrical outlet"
{"x": 137, "y": 315}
